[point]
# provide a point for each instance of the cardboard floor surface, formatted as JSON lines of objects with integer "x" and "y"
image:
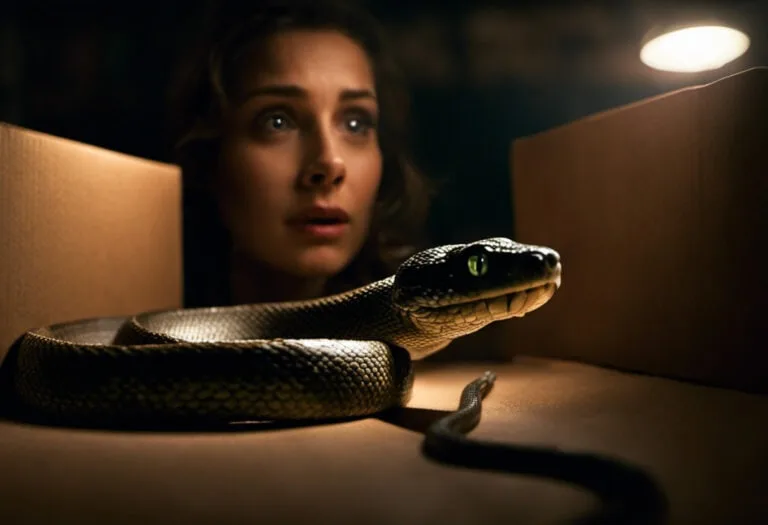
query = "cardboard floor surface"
{"x": 705, "y": 446}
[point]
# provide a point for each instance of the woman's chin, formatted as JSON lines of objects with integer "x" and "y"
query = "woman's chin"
{"x": 322, "y": 261}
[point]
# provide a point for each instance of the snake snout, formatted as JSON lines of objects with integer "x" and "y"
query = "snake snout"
{"x": 548, "y": 256}
{"x": 533, "y": 265}
{"x": 551, "y": 258}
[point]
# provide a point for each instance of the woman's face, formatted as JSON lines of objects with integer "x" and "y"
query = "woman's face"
{"x": 300, "y": 162}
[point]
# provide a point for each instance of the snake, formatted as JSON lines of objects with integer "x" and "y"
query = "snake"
{"x": 343, "y": 355}
{"x": 338, "y": 356}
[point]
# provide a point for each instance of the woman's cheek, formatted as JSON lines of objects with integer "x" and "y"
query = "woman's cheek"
{"x": 367, "y": 184}
{"x": 245, "y": 192}
{"x": 264, "y": 176}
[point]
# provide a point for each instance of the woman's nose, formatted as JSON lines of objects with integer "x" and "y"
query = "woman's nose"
{"x": 325, "y": 166}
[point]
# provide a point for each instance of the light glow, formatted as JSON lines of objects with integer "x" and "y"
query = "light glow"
{"x": 694, "y": 49}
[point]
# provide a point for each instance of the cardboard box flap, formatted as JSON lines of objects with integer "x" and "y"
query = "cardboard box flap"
{"x": 84, "y": 232}
{"x": 658, "y": 209}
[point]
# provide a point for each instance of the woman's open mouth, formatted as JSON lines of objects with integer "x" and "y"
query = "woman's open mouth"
{"x": 328, "y": 230}
{"x": 321, "y": 222}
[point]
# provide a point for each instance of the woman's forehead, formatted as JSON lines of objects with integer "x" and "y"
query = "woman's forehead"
{"x": 312, "y": 60}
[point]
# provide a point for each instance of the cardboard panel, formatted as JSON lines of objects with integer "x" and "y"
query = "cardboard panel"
{"x": 660, "y": 211}
{"x": 83, "y": 232}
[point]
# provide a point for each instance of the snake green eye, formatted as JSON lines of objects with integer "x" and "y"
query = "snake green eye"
{"x": 478, "y": 264}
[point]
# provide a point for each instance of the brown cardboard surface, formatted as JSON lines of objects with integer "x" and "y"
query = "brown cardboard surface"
{"x": 705, "y": 447}
{"x": 659, "y": 212}
{"x": 84, "y": 232}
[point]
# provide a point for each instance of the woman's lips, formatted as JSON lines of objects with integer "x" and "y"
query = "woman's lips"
{"x": 322, "y": 231}
{"x": 321, "y": 222}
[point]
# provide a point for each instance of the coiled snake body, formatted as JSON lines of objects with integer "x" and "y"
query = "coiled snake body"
{"x": 337, "y": 356}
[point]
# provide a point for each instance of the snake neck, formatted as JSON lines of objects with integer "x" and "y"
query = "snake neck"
{"x": 366, "y": 313}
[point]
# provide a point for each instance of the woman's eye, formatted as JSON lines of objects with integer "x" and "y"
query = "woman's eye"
{"x": 274, "y": 122}
{"x": 359, "y": 124}
{"x": 277, "y": 122}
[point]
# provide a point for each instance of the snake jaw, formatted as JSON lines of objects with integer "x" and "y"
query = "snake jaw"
{"x": 453, "y": 321}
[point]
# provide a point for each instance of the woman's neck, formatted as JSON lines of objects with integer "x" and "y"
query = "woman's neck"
{"x": 251, "y": 282}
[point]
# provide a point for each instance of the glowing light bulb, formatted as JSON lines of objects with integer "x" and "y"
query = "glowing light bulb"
{"x": 693, "y": 49}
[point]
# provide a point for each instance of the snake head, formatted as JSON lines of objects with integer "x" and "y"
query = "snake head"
{"x": 454, "y": 290}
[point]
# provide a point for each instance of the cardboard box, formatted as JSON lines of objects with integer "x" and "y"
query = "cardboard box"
{"x": 84, "y": 232}
{"x": 660, "y": 212}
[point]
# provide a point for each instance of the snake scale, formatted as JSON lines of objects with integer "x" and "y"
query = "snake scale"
{"x": 342, "y": 355}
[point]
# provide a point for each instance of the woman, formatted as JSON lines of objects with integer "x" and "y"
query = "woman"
{"x": 291, "y": 129}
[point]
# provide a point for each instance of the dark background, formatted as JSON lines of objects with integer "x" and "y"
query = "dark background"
{"x": 481, "y": 74}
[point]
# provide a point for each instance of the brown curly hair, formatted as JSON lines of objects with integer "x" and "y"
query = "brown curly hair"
{"x": 201, "y": 98}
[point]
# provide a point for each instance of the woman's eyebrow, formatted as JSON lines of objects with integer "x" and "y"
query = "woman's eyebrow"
{"x": 294, "y": 91}
{"x": 356, "y": 94}
{"x": 284, "y": 90}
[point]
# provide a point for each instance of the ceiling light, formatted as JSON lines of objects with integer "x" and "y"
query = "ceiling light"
{"x": 695, "y": 48}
